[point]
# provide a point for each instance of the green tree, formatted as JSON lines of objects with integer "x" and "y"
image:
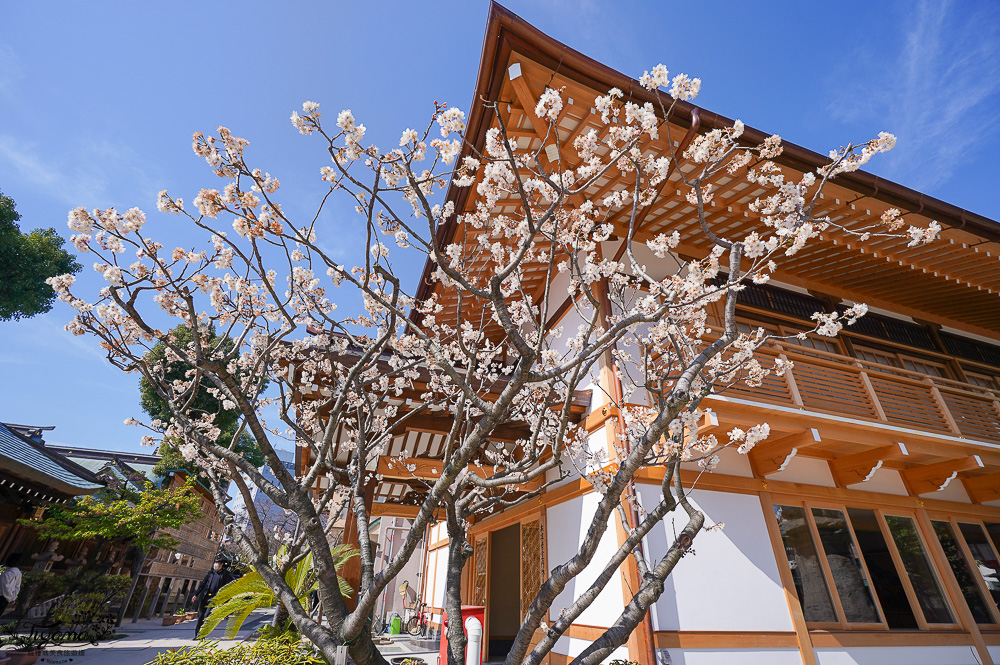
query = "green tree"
{"x": 124, "y": 514}
{"x": 242, "y": 596}
{"x": 26, "y": 261}
{"x": 227, "y": 420}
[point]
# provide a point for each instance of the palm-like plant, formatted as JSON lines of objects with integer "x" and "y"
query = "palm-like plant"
{"x": 238, "y": 599}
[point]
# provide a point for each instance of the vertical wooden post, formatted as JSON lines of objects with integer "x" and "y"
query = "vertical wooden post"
{"x": 872, "y": 395}
{"x": 806, "y": 650}
{"x": 943, "y": 406}
{"x": 793, "y": 388}
{"x": 142, "y": 599}
{"x": 951, "y": 586}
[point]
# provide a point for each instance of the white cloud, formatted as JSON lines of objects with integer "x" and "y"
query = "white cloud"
{"x": 938, "y": 94}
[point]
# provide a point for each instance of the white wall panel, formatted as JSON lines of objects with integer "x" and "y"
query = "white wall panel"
{"x": 565, "y": 525}
{"x": 731, "y": 657}
{"x": 730, "y": 582}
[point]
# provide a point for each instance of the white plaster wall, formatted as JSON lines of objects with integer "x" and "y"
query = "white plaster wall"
{"x": 885, "y": 481}
{"x": 566, "y": 528}
{"x": 898, "y": 656}
{"x": 953, "y": 492}
{"x": 806, "y": 470}
{"x": 731, "y": 582}
{"x": 731, "y": 463}
{"x": 440, "y": 572}
{"x": 730, "y": 657}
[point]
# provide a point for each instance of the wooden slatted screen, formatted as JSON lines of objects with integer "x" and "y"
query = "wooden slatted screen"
{"x": 481, "y": 554}
{"x": 909, "y": 404}
{"x": 532, "y": 562}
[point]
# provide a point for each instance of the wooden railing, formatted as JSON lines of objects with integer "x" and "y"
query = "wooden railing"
{"x": 835, "y": 384}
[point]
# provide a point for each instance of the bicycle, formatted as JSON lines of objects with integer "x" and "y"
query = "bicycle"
{"x": 417, "y": 624}
{"x": 378, "y": 626}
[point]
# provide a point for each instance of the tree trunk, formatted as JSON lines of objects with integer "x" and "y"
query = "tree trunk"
{"x": 459, "y": 552}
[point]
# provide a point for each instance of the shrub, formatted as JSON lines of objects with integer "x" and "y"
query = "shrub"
{"x": 284, "y": 650}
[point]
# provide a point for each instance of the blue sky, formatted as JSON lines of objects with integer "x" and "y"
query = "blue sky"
{"x": 98, "y": 102}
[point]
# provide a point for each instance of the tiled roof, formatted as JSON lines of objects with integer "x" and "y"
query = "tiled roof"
{"x": 32, "y": 462}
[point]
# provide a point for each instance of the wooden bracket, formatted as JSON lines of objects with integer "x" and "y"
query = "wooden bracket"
{"x": 773, "y": 456}
{"x": 709, "y": 423}
{"x": 860, "y": 467}
{"x": 430, "y": 469}
{"x": 936, "y": 477}
{"x": 983, "y": 488}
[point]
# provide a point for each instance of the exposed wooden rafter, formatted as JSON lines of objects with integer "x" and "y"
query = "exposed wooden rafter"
{"x": 861, "y": 467}
{"x": 983, "y": 488}
{"x": 773, "y": 456}
{"x": 936, "y": 477}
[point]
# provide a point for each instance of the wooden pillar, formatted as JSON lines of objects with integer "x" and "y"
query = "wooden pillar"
{"x": 142, "y": 599}
{"x": 788, "y": 583}
{"x": 951, "y": 587}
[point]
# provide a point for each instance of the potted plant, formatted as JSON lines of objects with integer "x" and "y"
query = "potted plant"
{"x": 28, "y": 646}
{"x": 169, "y": 619}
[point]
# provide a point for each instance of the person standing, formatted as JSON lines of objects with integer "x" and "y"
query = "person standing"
{"x": 214, "y": 580}
{"x": 10, "y": 582}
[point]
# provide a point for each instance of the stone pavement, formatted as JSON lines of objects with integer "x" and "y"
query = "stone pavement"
{"x": 142, "y": 641}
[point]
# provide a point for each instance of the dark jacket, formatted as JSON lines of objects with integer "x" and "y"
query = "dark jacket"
{"x": 214, "y": 580}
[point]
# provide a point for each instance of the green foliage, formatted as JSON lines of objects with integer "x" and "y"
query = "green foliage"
{"x": 226, "y": 420}
{"x": 284, "y": 650}
{"x": 26, "y": 261}
{"x": 238, "y": 599}
{"x": 127, "y": 515}
{"x": 88, "y": 595}
{"x": 269, "y": 631}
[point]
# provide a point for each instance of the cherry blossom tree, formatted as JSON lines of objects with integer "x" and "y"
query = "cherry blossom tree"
{"x": 482, "y": 351}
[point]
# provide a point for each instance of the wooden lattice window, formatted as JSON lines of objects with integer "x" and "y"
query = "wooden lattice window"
{"x": 481, "y": 553}
{"x": 532, "y": 562}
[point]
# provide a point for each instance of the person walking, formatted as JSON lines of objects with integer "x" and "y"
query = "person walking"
{"x": 214, "y": 580}
{"x": 10, "y": 582}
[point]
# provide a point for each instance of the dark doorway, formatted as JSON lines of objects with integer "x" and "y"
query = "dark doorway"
{"x": 504, "y": 602}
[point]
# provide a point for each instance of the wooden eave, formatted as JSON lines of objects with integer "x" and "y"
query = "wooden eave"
{"x": 954, "y": 281}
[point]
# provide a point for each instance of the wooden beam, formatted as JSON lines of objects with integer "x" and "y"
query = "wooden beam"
{"x": 936, "y": 477}
{"x": 860, "y": 467}
{"x": 394, "y": 510}
{"x": 773, "y": 456}
{"x": 598, "y": 417}
{"x": 429, "y": 469}
{"x": 983, "y": 488}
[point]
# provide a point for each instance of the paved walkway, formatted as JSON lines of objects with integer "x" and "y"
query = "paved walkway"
{"x": 142, "y": 641}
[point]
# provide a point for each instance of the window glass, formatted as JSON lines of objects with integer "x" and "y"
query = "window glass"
{"x": 984, "y": 557}
{"x": 963, "y": 573}
{"x": 982, "y": 380}
{"x": 804, "y": 562}
{"x": 885, "y": 579}
{"x": 923, "y": 367}
{"x": 873, "y": 356}
{"x": 848, "y": 573}
{"x": 815, "y": 343}
{"x": 994, "y": 532}
{"x": 918, "y": 569}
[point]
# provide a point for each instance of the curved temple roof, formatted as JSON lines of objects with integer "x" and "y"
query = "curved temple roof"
{"x": 953, "y": 282}
{"x": 30, "y": 461}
